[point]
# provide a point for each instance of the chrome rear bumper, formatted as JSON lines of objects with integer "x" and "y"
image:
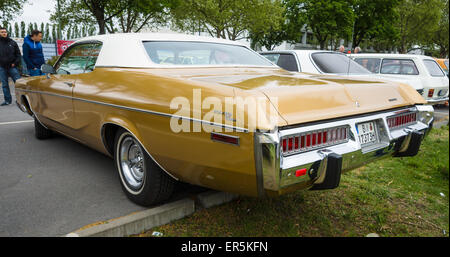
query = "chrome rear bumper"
{"x": 437, "y": 101}
{"x": 276, "y": 174}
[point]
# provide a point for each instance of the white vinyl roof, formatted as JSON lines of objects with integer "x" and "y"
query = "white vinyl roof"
{"x": 126, "y": 49}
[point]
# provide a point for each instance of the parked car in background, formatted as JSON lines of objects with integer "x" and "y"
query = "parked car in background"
{"x": 328, "y": 62}
{"x": 401, "y": 66}
{"x": 130, "y": 104}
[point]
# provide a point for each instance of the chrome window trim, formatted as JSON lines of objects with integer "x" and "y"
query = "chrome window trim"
{"x": 223, "y": 126}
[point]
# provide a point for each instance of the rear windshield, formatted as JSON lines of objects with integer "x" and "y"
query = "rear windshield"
{"x": 202, "y": 53}
{"x": 399, "y": 66}
{"x": 337, "y": 63}
{"x": 372, "y": 64}
{"x": 433, "y": 68}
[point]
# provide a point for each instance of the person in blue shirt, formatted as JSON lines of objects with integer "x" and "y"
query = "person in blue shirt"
{"x": 33, "y": 54}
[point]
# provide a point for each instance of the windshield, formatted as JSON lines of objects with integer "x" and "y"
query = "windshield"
{"x": 337, "y": 63}
{"x": 202, "y": 53}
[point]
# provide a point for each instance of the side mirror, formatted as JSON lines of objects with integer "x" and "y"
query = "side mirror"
{"x": 47, "y": 69}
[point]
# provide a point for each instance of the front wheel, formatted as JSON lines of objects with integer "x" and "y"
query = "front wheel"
{"x": 40, "y": 131}
{"x": 142, "y": 180}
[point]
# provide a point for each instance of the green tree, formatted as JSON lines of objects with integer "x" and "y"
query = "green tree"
{"x": 22, "y": 29}
{"x": 328, "y": 18}
{"x": 54, "y": 33}
{"x": 440, "y": 36}
{"x": 295, "y": 20}
{"x": 418, "y": 20}
{"x": 373, "y": 18}
{"x": 140, "y": 14}
{"x": 16, "y": 30}
{"x": 231, "y": 19}
{"x": 30, "y": 28}
{"x": 10, "y": 8}
{"x": 271, "y": 35}
{"x": 47, "y": 36}
{"x": 129, "y": 15}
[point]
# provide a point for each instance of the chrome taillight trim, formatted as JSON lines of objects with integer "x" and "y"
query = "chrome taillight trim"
{"x": 405, "y": 119}
{"x": 331, "y": 140}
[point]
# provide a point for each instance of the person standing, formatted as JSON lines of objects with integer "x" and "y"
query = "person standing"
{"x": 9, "y": 61}
{"x": 342, "y": 49}
{"x": 357, "y": 49}
{"x": 33, "y": 54}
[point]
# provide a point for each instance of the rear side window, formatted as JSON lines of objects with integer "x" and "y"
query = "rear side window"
{"x": 272, "y": 57}
{"x": 202, "y": 53}
{"x": 371, "y": 64}
{"x": 399, "y": 66}
{"x": 337, "y": 63}
{"x": 433, "y": 68}
{"x": 285, "y": 61}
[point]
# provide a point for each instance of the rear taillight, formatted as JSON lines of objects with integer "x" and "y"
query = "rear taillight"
{"x": 430, "y": 92}
{"x": 401, "y": 120}
{"x": 312, "y": 140}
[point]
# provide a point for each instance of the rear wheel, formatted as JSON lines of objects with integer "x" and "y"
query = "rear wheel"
{"x": 40, "y": 131}
{"x": 142, "y": 180}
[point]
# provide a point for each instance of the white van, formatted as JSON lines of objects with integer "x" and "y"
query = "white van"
{"x": 423, "y": 68}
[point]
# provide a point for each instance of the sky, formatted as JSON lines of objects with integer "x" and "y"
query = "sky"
{"x": 36, "y": 11}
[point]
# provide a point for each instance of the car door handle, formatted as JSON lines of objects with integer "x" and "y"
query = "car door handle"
{"x": 70, "y": 84}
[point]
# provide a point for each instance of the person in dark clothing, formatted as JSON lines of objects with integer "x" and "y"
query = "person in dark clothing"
{"x": 9, "y": 61}
{"x": 33, "y": 54}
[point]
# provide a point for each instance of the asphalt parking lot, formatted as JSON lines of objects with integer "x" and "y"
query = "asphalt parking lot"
{"x": 55, "y": 186}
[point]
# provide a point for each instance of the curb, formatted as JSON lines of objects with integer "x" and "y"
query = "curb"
{"x": 138, "y": 222}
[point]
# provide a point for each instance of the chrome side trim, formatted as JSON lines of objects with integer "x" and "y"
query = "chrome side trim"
{"x": 223, "y": 126}
{"x": 102, "y": 135}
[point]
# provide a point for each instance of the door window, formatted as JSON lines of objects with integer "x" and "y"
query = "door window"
{"x": 93, "y": 56}
{"x": 74, "y": 60}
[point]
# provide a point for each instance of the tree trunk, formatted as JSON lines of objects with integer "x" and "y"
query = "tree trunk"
{"x": 101, "y": 26}
{"x": 322, "y": 44}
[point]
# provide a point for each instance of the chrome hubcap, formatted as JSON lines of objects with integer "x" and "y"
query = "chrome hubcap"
{"x": 132, "y": 162}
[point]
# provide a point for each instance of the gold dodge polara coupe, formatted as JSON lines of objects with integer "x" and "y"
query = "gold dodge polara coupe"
{"x": 214, "y": 113}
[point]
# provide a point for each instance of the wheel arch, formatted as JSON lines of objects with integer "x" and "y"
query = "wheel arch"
{"x": 108, "y": 132}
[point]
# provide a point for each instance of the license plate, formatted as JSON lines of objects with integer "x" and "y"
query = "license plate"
{"x": 367, "y": 133}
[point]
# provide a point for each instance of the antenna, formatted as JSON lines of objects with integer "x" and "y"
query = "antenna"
{"x": 348, "y": 67}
